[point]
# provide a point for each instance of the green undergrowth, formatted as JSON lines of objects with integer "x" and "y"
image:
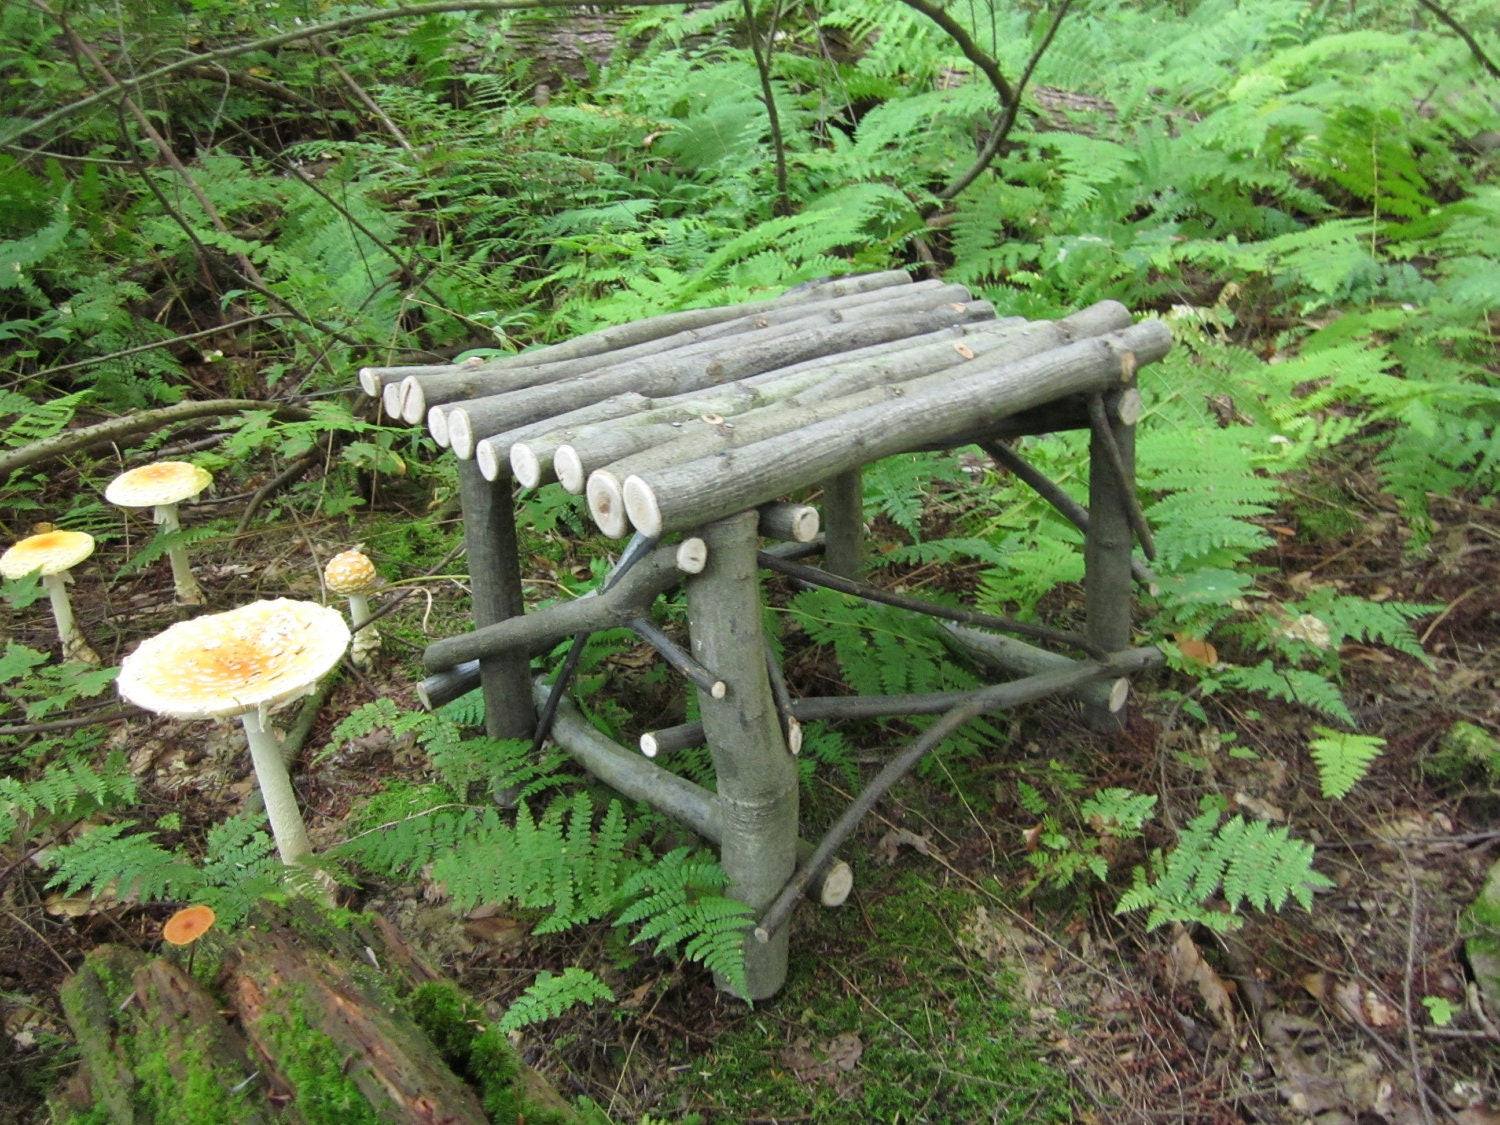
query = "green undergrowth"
{"x": 938, "y": 1039}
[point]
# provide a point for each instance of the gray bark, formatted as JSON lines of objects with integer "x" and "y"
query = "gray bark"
{"x": 755, "y": 774}
{"x": 930, "y": 410}
{"x": 630, "y": 598}
{"x": 810, "y": 386}
{"x": 421, "y": 392}
{"x": 495, "y": 579}
{"x": 692, "y": 369}
{"x": 614, "y": 436}
{"x": 632, "y": 776}
{"x": 844, "y": 522}
{"x": 985, "y": 701}
{"x": 1107, "y": 546}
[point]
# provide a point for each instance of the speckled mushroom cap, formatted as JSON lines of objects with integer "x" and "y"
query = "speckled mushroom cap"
{"x": 165, "y": 482}
{"x": 259, "y": 656}
{"x": 350, "y": 572}
{"x": 51, "y": 553}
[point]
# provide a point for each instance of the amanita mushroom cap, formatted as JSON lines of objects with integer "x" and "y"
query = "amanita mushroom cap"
{"x": 165, "y": 482}
{"x": 257, "y": 657}
{"x": 50, "y": 553}
{"x": 188, "y": 925}
{"x": 350, "y": 572}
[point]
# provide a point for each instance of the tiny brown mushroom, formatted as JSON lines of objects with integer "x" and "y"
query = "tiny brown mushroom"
{"x": 53, "y": 553}
{"x": 161, "y": 487}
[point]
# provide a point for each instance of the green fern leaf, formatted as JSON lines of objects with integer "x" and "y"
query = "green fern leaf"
{"x": 1343, "y": 759}
{"x": 550, "y": 996}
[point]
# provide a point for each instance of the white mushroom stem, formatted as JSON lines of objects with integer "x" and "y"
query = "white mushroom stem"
{"x": 188, "y": 590}
{"x": 74, "y": 647}
{"x": 275, "y": 783}
{"x": 366, "y": 637}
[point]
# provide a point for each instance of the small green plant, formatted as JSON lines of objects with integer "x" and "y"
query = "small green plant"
{"x": 1343, "y": 759}
{"x": 1237, "y": 863}
{"x": 559, "y": 853}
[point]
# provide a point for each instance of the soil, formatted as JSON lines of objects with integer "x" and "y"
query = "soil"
{"x": 1296, "y": 1016}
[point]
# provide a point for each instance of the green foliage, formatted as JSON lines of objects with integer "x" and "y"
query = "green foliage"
{"x": 566, "y": 858}
{"x": 66, "y": 791}
{"x": 1240, "y": 862}
{"x": 1343, "y": 759}
{"x": 549, "y": 996}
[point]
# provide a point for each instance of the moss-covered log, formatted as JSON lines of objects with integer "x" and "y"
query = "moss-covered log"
{"x": 327, "y": 1036}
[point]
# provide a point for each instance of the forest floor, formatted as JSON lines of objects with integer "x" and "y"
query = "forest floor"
{"x": 942, "y": 991}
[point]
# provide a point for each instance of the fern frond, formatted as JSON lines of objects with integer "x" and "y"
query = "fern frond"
{"x": 134, "y": 865}
{"x": 1343, "y": 759}
{"x": 550, "y": 996}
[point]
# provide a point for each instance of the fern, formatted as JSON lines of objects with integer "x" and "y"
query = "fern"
{"x": 550, "y": 996}
{"x": 1242, "y": 862}
{"x": 1294, "y": 685}
{"x": 675, "y": 901}
{"x": 65, "y": 791}
{"x": 134, "y": 865}
{"x": 1343, "y": 759}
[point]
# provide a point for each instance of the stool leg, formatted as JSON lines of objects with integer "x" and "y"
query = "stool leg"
{"x": 756, "y": 776}
{"x": 495, "y": 577}
{"x": 844, "y": 523}
{"x": 1107, "y": 548}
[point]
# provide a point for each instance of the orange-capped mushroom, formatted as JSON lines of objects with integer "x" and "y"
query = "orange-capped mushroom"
{"x": 188, "y": 925}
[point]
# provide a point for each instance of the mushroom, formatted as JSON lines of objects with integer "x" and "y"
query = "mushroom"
{"x": 353, "y": 575}
{"x": 52, "y": 553}
{"x": 188, "y": 925}
{"x": 161, "y": 487}
{"x": 244, "y": 663}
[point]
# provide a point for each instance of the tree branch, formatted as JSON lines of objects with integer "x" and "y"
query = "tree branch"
{"x": 72, "y": 441}
{"x": 1475, "y": 49}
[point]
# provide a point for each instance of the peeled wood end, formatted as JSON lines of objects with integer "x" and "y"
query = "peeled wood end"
{"x": 487, "y": 456}
{"x": 607, "y": 503}
{"x": 692, "y": 555}
{"x": 437, "y": 426}
{"x": 1119, "y": 692}
{"x": 794, "y": 736}
{"x": 642, "y": 508}
{"x": 460, "y": 434}
{"x": 838, "y": 884}
{"x": 1130, "y": 407}
{"x": 370, "y": 381}
{"x": 569, "y": 468}
{"x": 413, "y": 402}
{"x": 390, "y": 401}
{"x": 718, "y": 689}
{"x": 649, "y": 745}
{"x": 523, "y": 462}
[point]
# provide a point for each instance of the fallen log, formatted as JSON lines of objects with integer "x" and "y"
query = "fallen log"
{"x": 694, "y": 493}
{"x": 321, "y": 1023}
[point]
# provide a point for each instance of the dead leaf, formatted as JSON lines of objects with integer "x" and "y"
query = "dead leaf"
{"x": 1261, "y": 810}
{"x": 1196, "y": 650}
{"x": 897, "y": 838}
{"x": 845, "y": 1050}
{"x": 1185, "y": 965}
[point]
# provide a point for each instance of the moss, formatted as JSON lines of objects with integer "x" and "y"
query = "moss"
{"x": 948, "y": 1043}
{"x": 484, "y": 1058}
{"x": 200, "y": 1094}
{"x": 310, "y": 1061}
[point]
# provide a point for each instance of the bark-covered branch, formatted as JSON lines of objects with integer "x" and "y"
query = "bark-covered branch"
{"x": 146, "y": 421}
